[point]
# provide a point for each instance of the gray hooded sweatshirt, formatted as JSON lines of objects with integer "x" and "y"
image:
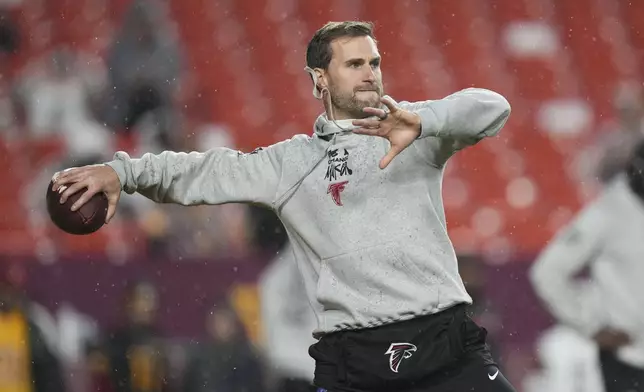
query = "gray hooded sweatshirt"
{"x": 371, "y": 244}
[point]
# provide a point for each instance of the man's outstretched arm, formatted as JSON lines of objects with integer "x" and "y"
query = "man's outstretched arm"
{"x": 217, "y": 176}
{"x": 438, "y": 128}
{"x": 467, "y": 115}
{"x": 459, "y": 120}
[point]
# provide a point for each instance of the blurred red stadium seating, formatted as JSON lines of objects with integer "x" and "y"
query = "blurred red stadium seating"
{"x": 249, "y": 56}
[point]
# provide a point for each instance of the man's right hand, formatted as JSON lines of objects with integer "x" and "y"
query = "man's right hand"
{"x": 96, "y": 178}
{"x": 611, "y": 339}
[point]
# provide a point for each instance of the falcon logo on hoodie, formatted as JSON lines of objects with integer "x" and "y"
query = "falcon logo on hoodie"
{"x": 335, "y": 190}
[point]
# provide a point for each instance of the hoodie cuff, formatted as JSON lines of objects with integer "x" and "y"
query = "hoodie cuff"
{"x": 428, "y": 121}
{"x": 119, "y": 168}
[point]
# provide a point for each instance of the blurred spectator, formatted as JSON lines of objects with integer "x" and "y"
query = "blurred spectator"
{"x": 617, "y": 146}
{"x": 98, "y": 369}
{"x": 136, "y": 356}
{"x": 144, "y": 70}
{"x": 288, "y": 321}
{"x": 7, "y": 112}
{"x": 268, "y": 233}
{"x": 569, "y": 363}
{"x": 9, "y": 39}
{"x": 9, "y": 42}
{"x": 28, "y": 360}
{"x": 57, "y": 96}
{"x": 8, "y": 33}
{"x": 604, "y": 239}
{"x": 226, "y": 360}
{"x": 608, "y": 154}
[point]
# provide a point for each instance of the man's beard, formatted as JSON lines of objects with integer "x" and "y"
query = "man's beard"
{"x": 351, "y": 104}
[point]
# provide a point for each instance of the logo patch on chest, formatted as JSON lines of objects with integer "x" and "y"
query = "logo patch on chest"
{"x": 337, "y": 165}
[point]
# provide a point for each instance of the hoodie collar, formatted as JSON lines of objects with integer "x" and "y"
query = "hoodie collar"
{"x": 324, "y": 127}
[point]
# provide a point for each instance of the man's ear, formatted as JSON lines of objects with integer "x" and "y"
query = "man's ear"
{"x": 321, "y": 77}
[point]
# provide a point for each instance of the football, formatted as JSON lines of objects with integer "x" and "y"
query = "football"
{"x": 86, "y": 220}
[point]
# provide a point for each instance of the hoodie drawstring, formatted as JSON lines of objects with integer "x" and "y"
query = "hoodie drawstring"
{"x": 342, "y": 127}
{"x": 279, "y": 203}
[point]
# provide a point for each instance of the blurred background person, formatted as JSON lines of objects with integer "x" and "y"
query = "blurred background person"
{"x": 603, "y": 240}
{"x": 135, "y": 351}
{"x": 288, "y": 321}
{"x": 28, "y": 357}
{"x": 9, "y": 38}
{"x": 225, "y": 361}
{"x": 569, "y": 362}
{"x": 9, "y": 35}
{"x": 58, "y": 92}
{"x": 144, "y": 69}
{"x": 7, "y": 112}
{"x": 620, "y": 145}
{"x": 613, "y": 149}
{"x": 99, "y": 373}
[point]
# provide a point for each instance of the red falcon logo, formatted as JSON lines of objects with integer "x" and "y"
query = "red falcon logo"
{"x": 335, "y": 190}
{"x": 397, "y": 352}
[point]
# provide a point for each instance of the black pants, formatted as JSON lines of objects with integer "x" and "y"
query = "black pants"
{"x": 444, "y": 352}
{"x": 618, "y": 376}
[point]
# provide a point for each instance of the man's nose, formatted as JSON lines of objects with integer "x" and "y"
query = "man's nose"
{"x": 369, "y": 75}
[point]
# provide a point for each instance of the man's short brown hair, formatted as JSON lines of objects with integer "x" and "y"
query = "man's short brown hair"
{"x": 318, "y": 52}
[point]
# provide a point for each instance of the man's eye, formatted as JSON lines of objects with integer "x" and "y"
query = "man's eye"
{"x": 355, "y": 65}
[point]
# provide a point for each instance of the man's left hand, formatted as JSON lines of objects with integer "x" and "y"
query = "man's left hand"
{"x": 399, "y": 126}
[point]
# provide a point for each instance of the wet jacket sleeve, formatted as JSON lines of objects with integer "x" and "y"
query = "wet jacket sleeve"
{"x": 457, "y": 121}
{"x": 217, "y": 176}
